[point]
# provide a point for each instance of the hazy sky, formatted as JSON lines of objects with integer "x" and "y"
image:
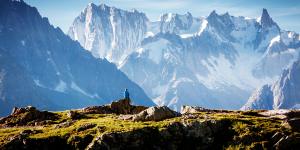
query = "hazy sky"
{"x": 285, "y": 12}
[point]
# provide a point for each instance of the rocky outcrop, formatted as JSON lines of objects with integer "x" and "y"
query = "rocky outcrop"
{"x": 74, "y": 115}
{"x": 156, "y": 113}
{"x": 97, "y": 110}
{"x": 196, "y": 109}
{"x": 121, "y": 106}
{"x": 64, "y": 124}
{"x": 31, "y": 116}
{"x": 178, "y": 135}
{"x": 191, "y": 109}
{"x": 85, "y": 127}
{"x": 213, "y": 129}
{"x": 27, "y": 115}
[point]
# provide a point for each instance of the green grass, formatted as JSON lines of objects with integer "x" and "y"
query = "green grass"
{"x": 249, "y": 129}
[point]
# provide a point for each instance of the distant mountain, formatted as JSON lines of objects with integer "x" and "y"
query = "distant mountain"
{"x": 41, "y": 66}
{"x": 186, "y": 60}
{"x": 108, "y": 32}
{"x": 283, "y": 94}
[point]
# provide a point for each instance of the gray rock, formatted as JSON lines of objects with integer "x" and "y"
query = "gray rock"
{"x": 191, "y": 109}
{"x": 27, "y": 116}
{"x": 156, "y": 113}
{"x": 74, "y": 115}
{"x": 122, "y": 106}
{"x": 65, "y": 124}
{"x": 85, "y": 127}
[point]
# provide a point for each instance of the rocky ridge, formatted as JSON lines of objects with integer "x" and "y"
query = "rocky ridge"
{"x": 196, "y": 128}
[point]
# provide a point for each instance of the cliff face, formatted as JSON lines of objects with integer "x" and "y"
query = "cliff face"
{"x": 97, "y": 128}
{"x": 282, "y": 94}
{"x": 109, "y": 32}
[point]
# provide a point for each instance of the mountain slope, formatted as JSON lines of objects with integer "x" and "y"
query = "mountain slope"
{"x": 283, "y": 94}
{"x": 43, "y": 67}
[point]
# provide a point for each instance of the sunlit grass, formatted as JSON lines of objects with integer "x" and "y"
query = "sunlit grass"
{"x": 244, "y": 125}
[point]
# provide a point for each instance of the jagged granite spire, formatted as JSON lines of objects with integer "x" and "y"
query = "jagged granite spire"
{"x": 212, "y": 14}
{"x": 265, "y": 20}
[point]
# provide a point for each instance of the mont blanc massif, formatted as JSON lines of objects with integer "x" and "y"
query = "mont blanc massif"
{"x": 219, "y": 61}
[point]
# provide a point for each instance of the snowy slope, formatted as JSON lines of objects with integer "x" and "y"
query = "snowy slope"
{"x": 41, "y": 66}
{"x": 183, "y": 59}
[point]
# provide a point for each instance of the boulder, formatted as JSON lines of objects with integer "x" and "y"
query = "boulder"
{"x": 121, "y": 107}
{"x": 17, "y": 110}
{"x": 85, "y": 127}
{"x": 64, "y": 124}
{"x": 29, "y": 132}
{"x": 280, "y": 113}
{"x": 137, "y": 109}
{"x": 74, "y": 115}
{"x": 191, "y": 109}
{"x": 97, "y": 110}
{"x": 156, "y": 113}
{"x": 196, "y": 109}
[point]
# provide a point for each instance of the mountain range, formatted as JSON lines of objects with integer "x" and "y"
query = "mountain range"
{"x": 215, "y": 61}
{"x": 41, "y": 66}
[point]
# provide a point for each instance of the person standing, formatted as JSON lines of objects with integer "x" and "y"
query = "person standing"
{"x": 126, "y": 94}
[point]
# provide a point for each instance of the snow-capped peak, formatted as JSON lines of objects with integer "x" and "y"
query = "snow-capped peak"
{"x": 91, "y": 6}
{"x": 213, "y": 13}
{"x": 168, "y": 17}
{"x": 184, "y": 24}
{"x": 265, "y": 19}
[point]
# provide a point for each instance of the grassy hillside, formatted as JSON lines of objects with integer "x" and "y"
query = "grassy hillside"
{"x": 201, "y": 130}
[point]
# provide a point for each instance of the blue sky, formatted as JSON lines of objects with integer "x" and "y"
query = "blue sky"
{"x": 285, "y": 12}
